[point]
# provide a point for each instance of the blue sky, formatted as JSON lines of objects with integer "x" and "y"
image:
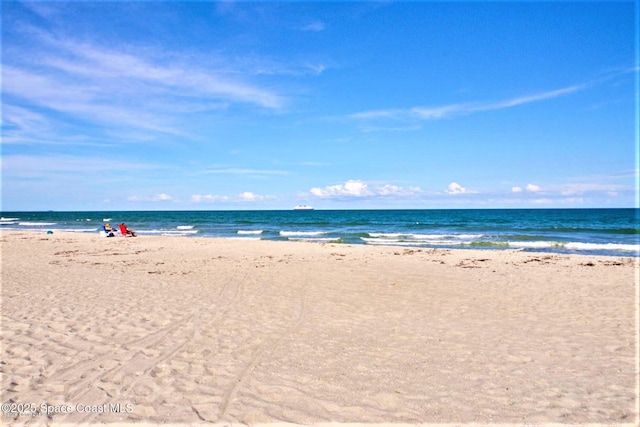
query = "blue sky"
{"x": 265, "y": 105}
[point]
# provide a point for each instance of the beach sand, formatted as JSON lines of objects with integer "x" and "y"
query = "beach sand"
{"x": 194, "y": 330}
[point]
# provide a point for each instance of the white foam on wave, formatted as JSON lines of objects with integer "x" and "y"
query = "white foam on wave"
{"x": 535, "y": 244}
{"x": 397, "y": 242}
{"x": 386, "y": 235}
{"x": 517, "y": 245}
{"x": 426, "y": 236}
{"x": 250, "y": 231}
{"x": 168, "y": 232}
{"x": 444, "y": 236}
{"x": 106, "y": 219}
{"x": 302, "y": 233}
{"x": 185, "y": 227}
{"x": 578, "y": 246}
{"x": 468, "y": 236}
{"x": 65, "y": 230}
{"x": 602, "y": 246}
{"x": 27, "y": 223}
{"x": 8, "y": 219}
{"x": 314, "y": 239}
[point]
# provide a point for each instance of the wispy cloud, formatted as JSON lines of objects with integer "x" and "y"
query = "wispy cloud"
{"x": 45, "y": 166}
{"x": 45, "y": 10}
{"x": 458, "y": 109}
{"x": 133, "y": 89}
{"x": 175, "y": 77}
{"x": 315, "y": 26}
{"x": 255, "y": 65}
{"x": 514, "y": 102}
{"x": 390, "y": 128}
{"x": 241, "y": 171}
{"x": 245, "y": 196}
{"x": 583, "y": 188}
{"x": 86, "y": 101}
{"x": 313, "y": 163}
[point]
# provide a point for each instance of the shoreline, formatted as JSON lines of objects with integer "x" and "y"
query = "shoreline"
{"x": 243, "y": 236}
{"x": 610, "y": 232}
{"x": 192, "y": 331}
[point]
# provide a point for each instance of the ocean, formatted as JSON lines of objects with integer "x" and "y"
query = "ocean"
{"x": 569, "y": 231}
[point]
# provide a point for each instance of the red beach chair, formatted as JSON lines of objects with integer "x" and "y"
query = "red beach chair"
{"x": 126, "y": 232}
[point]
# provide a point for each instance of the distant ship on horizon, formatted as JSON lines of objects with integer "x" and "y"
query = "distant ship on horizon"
{"x": 303, "y": 208}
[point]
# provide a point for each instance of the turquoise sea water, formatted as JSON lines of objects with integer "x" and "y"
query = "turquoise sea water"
{"x": 581, "y": 231}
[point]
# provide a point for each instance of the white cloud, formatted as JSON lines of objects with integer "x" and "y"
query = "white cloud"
{"x": 580, "y": 193}
{"x": 356, "y": 188}
{"x": 208, "y": 198}
{"x": 245, "y": 196}
{"x": 162, "y": 197}
{"x": 571, "y": 189}
{"x": 248, "y": 196}
{"x": 455, "y": 188}
{"x": 349, "y": 188}
{"x": 533, "y": 188}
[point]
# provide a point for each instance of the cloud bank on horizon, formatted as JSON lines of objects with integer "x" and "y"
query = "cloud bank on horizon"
{"x": 238, "y": 105}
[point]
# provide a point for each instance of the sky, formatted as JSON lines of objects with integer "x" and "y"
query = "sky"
{"x": 181, "y": 105}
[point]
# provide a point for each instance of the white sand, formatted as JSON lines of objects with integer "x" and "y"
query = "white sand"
{"x": 192, "y": 330}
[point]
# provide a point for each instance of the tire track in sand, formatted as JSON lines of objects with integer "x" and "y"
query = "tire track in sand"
{"x": 229, "y": 294}
{"x": 227, "y": 297}
{"x": 269, "y": 344}
{"x": 149, "y": 365}
{"x": 134, "y": 355}
{"x": 150, "y": 340}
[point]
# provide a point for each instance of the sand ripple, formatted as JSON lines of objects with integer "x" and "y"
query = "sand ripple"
{"x": 173, "y": 330}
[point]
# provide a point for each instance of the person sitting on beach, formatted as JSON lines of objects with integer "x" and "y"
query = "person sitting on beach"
{"x": 125, "y": 231}
{"x": 108, "y": 230}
